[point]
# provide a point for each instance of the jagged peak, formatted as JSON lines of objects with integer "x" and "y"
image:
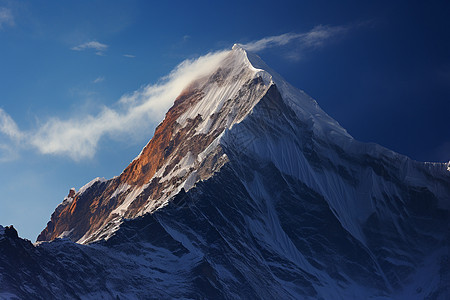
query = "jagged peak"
{"x": 239, "y": 66}
{"x": 237, "y": 46}
{"x": 224, "y": 84}
{"x": 306, "y": 108}
{"x": 185, "y": 141}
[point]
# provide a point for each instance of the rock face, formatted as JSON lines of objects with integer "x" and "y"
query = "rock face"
{"x": 247, "y": 190}
{"x": 181, "y": 152}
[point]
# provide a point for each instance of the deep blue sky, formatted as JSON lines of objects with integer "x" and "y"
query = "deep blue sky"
{"x": 386, "y": 79}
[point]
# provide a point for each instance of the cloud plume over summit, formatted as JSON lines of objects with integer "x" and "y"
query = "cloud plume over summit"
{"x": 78, "y": 137}
{"x": 315, "y": 38}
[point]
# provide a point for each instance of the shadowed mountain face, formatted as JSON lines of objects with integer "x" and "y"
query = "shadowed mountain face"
{"x": 179, "y": 154}
{"x": 247, "y": 190}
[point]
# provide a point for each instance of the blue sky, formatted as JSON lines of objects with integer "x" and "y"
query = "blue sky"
{"x": 381, "y": 69}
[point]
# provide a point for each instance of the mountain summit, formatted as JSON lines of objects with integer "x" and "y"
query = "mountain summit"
{"x": 186, "y": 147}
{"x": 246, "y": 190}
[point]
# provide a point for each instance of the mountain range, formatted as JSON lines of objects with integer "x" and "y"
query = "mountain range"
{"x": 247, "y": 189}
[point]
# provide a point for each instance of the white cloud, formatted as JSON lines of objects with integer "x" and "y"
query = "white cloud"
{"x": 8, "y": 127}
{"x": 98, "y": 79}
{"x": 129, "y": 55}
{"x": 78, "y": 137}
{"x": 314, "y": 38}
{"x": 6, "y": 17}
{"x": 92, "y": 45}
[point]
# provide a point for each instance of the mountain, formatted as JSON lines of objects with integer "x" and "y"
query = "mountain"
{"x": 246, "y": 190}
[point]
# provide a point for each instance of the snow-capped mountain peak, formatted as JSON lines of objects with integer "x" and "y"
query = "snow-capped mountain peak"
{"x": 248, "y": 189}
{"x": 188, "y": 138}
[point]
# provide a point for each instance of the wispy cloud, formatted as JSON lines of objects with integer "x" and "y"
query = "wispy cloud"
{"x": 94, "y": 45}
{"x": 8, "y": 127}
{"x": 134, "y": 114}
{"x": 6, "y": 17}
{"x": 78, "y": 137}
{"x": 129, "y": 55}
{"x": 315, "y": 38}
{"x": 98, "y": 79}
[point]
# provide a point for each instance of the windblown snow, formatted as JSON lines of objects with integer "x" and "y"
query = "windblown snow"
{"x": 279, "y": 203}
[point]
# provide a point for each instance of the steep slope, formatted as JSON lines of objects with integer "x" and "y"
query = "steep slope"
{"x": 182, "y": 151}
{"x": 247, "y": 190}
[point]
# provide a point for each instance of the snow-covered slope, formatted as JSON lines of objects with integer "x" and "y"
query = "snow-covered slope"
{"x": 187, "y": 139}
{"x": 247, "y": 190}
{"x": 183, "y": 150}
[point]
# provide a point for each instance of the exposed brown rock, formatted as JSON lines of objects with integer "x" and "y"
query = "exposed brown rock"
{"x": 71, "y": 193}
{"x": 85, "y": 214}
{"x": 141, "y": 170}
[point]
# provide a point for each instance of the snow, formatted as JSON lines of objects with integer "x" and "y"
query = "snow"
{"x": 237, "y": 69}
{"x": 182, "y": 167}
{"x": 190, "y": 181}
{"x": 121, "y": 210}
{"x": 245, "y": 66}
{"x": 103, "y": 233}
{"x": 211, "y": 147}
{"x": 240, "y": 72}
{"x": 235, "y": 72}
{"x": 65, "y": 234}
{"x": 122, "y": 188}
{"x": 305, "y": 107}
{"x": 232, "y": 233}
{"x": 90, "y": 183}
